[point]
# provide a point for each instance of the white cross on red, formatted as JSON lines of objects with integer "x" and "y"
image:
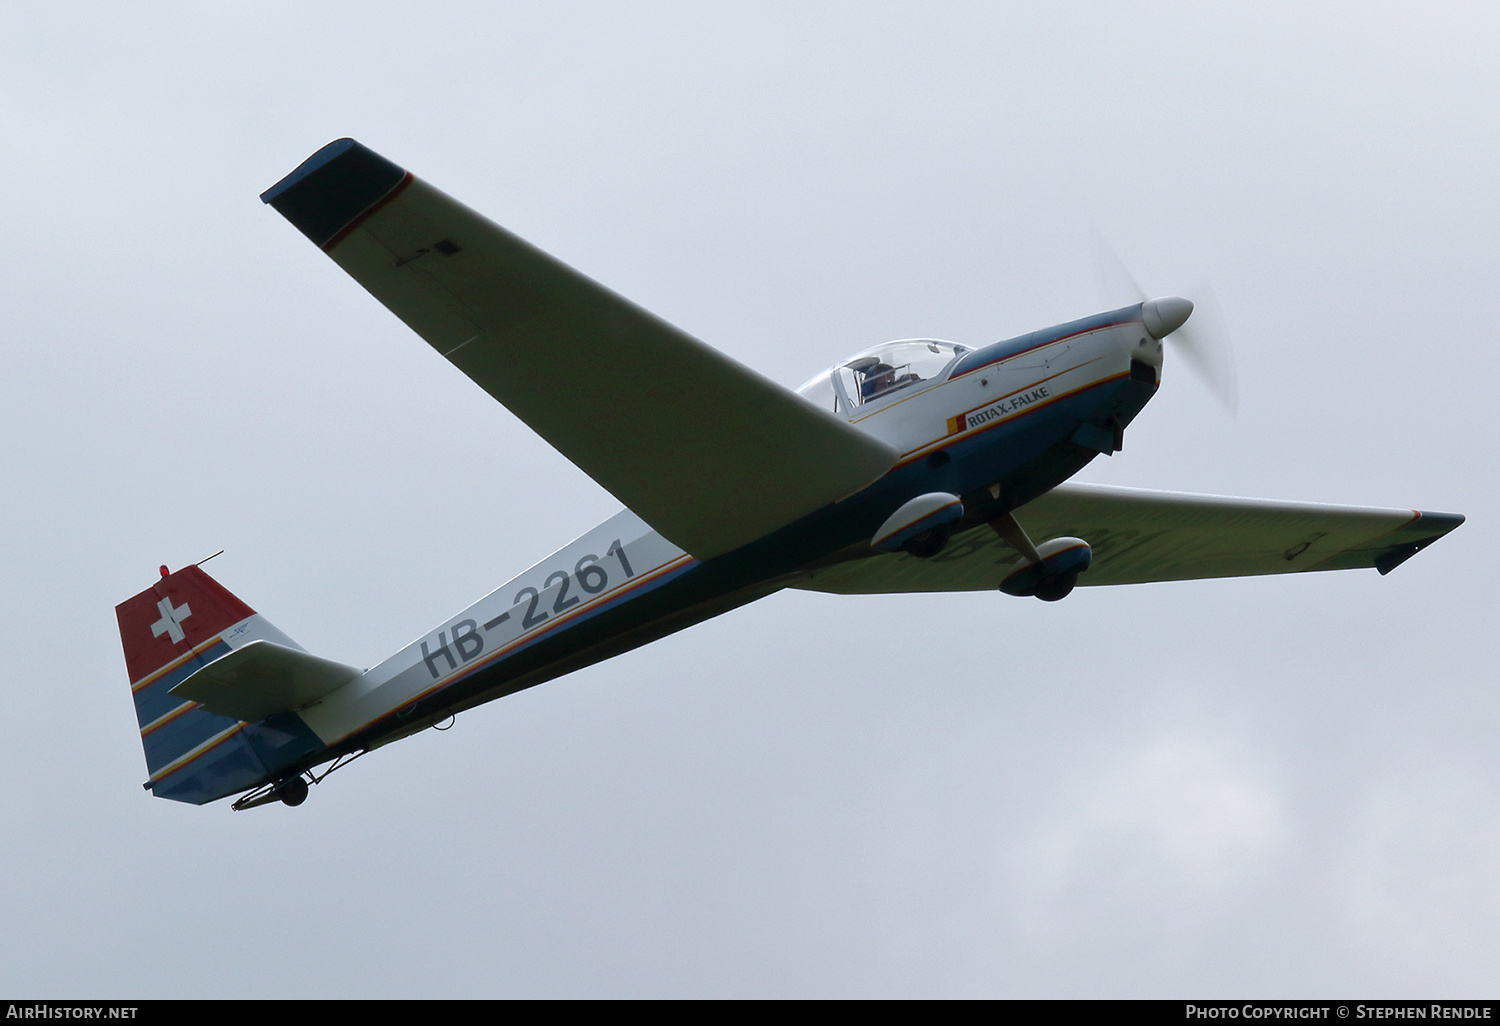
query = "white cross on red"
{"x": 170, "y": 623}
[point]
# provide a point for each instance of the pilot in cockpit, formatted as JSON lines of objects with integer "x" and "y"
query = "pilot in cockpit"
{"x": 879, "y": 379}
{"x": 882, "y": 371}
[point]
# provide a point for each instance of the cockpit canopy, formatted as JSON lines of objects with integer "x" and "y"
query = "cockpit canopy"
{"x": 880, "y": 372}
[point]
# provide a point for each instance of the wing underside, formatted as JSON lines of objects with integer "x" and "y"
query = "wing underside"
{"x": 1140, "y": 536}
{"x": 708, "y": 452}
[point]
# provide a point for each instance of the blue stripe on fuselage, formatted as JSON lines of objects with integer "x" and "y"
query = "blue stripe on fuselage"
{"x": 1010, "y": 347}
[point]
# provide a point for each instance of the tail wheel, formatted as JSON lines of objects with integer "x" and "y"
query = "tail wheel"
{"x": 292, "y": 791}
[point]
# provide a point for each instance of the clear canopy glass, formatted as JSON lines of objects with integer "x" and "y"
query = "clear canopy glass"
{"x": 880, "y": 372}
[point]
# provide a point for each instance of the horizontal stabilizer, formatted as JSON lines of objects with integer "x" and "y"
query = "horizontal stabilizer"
{"x": 262, "y": 679}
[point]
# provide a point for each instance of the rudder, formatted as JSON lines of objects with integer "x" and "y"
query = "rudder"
{"x": 180, "y": 624}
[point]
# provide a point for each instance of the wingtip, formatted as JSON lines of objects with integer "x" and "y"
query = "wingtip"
{"x": 1443, "y": 522}
{"x": 1430, "y": 526}
{"x": 323, "y": 156}
{"x": 330, "y": 191}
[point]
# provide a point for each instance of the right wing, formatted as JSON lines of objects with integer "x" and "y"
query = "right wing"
{"x": 708, "y": 452}
{"x": 1140, "y": 536}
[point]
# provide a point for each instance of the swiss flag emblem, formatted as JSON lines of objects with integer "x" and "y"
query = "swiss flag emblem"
{"x": 174, "y": 616}
{"x": 170, "y": 623}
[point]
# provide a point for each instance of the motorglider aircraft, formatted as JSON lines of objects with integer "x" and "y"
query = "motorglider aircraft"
{"x": 915, "y": 466}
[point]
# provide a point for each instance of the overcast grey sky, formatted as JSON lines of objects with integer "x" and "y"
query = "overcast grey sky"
{"x": 1270, "y": 787}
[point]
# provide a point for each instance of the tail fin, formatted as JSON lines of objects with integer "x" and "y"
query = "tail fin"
{"x": 180, "y": 624}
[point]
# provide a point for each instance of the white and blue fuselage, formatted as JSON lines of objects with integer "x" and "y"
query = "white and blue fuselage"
{"x": 996, "y": 426}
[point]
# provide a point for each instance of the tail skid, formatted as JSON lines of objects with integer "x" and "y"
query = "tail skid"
{"x": 290, "y": 790}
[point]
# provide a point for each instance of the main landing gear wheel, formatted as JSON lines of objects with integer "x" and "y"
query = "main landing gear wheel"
{"x": 928, "y": 543}
{"x": 1053, "y": 576}
{"x": 921, "y": 527}
{"x": 1057, "y": 587}
{"x": 1049, "y": 570}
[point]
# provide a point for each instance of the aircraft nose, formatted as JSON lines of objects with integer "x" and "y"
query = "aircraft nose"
{"x": 1164, "y": 316}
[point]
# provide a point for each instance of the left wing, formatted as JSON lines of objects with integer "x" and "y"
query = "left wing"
{"x": 1139, "y": 536}
{"x": 708, "y": 452}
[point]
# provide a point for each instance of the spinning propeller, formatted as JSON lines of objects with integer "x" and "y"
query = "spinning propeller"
{"x": 1203, "y": 345}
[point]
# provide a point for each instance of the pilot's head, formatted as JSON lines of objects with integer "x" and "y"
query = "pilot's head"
{"x": 878, "y": 379}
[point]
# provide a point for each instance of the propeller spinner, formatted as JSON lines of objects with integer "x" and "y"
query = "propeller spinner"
{"x": 1204, "y": 346}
